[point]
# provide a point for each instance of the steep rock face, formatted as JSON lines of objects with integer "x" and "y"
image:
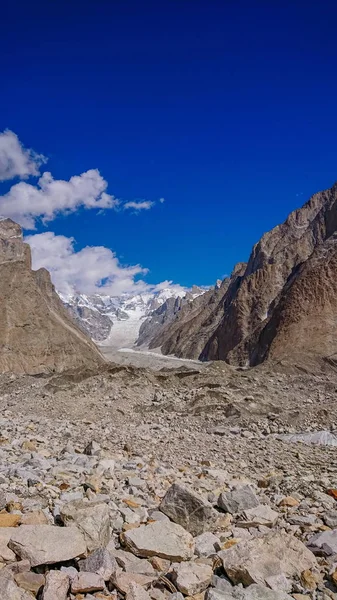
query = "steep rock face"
{"x": 160, "y": 317}
{"x": 302, "y": 329}
{"x": 188, "y": 332}
{"x": 36, "y": 333}
{"x": 259, "y": 316}
{"x": 91, "y": 321}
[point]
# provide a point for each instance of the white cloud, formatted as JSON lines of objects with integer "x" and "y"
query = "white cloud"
{"x": 161, "y": 200}
{"x": 26, "y": 203}
{"x": 94, "y": 269}
{"x": 15, "y": 160}
{"x": 144, "y": 205}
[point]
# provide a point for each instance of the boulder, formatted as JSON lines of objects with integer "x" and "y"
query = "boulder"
{"x": 87, "y": 582}
{"x": 9, "y": 589}
{"x": 255, "y": 560}
{"x": 324, "y": 543}
{"x": 47, "y": 544}
{"x": 260, "y": 515}
{"x": 206, "y": 544}
{"x": 57, "y": 586}
{"x": 132, "y": 564}
{"x": 31, "y": 582}
{"x": 5, "y": 535}
{"x": 137, "y": 592}
{"x": 240, "y": 499}
{"x": 122, "y": 581}
{"x": 330, "y": 518}
{"x": 187, "y": 509}
{"x": 163, "y": 539}
{"x": 100, "y": 562}
{"x": 191, "y": 578}
{"x": 92, "y": 520}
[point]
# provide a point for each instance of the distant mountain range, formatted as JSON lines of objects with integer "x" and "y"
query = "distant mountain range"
{"x": 280, "y": 306}
{"x": 116, "y": 320}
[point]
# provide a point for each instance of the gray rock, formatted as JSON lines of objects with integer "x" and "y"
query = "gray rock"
{"x": 92, "y": 449}
{"x": 132, "y": 564}
{"x": 260, "y": 515}
{"x": 47, "y": 544}
{"x": 330, "y": 518}
{"x": 92, "y": 519}
{"x": 206, "y": 544}
{"x": 221, "y": 584}
{"x": 324, "y": 543}
{"x": 57, "y": 586}
{"x": 166, "y": 540}
{"x": 255, "y": 560}
{"x": 191, "y": 578}
{"x": 87, "y": 582}
{"x": 240, "y": 499}
{"x": 187, "y": 509}
{"x": 100, "y": 562}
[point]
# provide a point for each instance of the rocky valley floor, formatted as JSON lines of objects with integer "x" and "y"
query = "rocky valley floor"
{"x": 149, "y": 484}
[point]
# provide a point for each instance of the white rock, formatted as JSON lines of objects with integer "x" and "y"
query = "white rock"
{"x": 255, "y": 560}
{"x": 163, "y": 539}
{"x": 191, "y": 578}
{"x": 47, "y": 544}
{"x": 57, "y": 586}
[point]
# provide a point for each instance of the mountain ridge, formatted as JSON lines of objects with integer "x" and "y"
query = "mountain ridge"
{"x": 234, "y": 329}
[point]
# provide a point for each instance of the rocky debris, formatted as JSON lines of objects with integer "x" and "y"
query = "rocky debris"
{"x": 258, "y": 559}
{"x": 57, "y": 586}
{"x": 46, "y": 545}
{"x": 191, "y": 578}
{"x": 37, "y": 335}
{"x": 54, "y": 477}
{"x": 240, "y": 499}
{"x": 187, "y": 509}
{"x": 164, "y": 539}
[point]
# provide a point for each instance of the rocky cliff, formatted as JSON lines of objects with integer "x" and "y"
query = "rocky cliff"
{"x": 37, "y": 334}
{"x": 271, "y": 305}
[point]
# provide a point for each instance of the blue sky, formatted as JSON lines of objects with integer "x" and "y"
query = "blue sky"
{"x": 225, "y": 109}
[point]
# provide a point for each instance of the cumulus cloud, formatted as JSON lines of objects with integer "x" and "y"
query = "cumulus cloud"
{"x": 26, "y": 203}
{"x": 143, "y": 205}
{"x": 15, "y": 160}
{"x": 92, "y": 270}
